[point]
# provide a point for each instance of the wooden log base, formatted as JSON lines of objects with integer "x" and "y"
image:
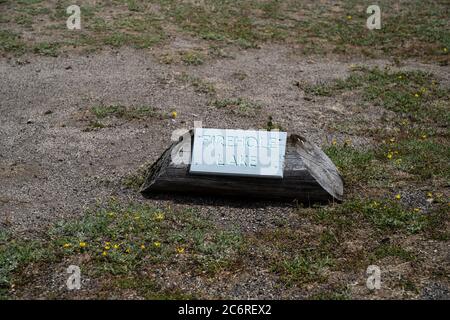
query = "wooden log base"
{"x": 309, "y": 176}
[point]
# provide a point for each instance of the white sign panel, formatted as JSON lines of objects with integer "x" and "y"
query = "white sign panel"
{"x": 238, "y": 152}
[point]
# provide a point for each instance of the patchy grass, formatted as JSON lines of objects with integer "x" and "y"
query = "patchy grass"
{"x": 411, "y": 92}
{"x": 118, "y": 242}
{"x": 417, "y": 145}
{"x": 384, "y": 215}
{"x": 10, "y": 42}
{"x": 47, "y": 49}
{"x": 356, "y": 166}
{"x": 305, "y": 268}
{"x": 16, "y": 253}
{"x": 238, "y": 106}
{"x": 119, "y": 111}
{"x": 200, "y": 85}
{"x": 426, "y": 157}
{"x": 413, "y": 29}
{"x": 392, "y": 250}
{"x": 192, "y": 58}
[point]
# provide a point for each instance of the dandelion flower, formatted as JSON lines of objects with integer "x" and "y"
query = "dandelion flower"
{"x": 82, "y": 244}
{"x": 107, "y": 247}
{"x": 333, "y": 142}
{"x": 67, "y": 245}
{"x": 173, "y": 114}
{"x": 389, "y": 155}
{"x": 104, "y": 253}
{"x": 116, "y": 246}
{"x": 157, "y": 244}
{"x": 416, "y": 95}
{"x": 142, "y": 246}
{"x": 349, "y": 17}
{"x": 398, "y": 196}
{"x": 180, "y": 250}
{"x": 159, "y": 216}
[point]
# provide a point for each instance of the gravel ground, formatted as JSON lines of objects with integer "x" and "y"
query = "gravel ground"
{"x": 53, "y": 167}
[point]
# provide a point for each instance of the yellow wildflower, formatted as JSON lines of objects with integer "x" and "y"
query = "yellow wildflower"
{"x": 67, "y": 245}
{"x": 157, "y": 244}
{"x": 116, "y": 246}
{"x": 424, "y": 136}
{"x": 445, "y": 50}
{"x": 416, "y": 95}
{"x": 173, "y": 114}
{"x": 333, "y": 142}
{"x": 398, "y": 196}
{"x": 159, "y": 216}
{"x": 128, "y": 250}
{"x": 416, "y": 210}
{"x": 107, "y": 247}
{"x": 429, "y": 195}
{"x": 389, "y": 155}
{"x": 83, "y": 244}
{"x": 104, "y": 253}
{"x": 180, "y": 250}
{"x": 349, "y": 17}
{"x": 142, "y": 246}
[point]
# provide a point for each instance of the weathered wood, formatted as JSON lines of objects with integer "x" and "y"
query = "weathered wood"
{"x": 309, "y": 176}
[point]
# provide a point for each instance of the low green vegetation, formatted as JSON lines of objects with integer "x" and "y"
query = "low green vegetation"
{"x": 238, "y": 106}
{"x": 357, "y": 166}
{"x": 116, "y": 241}
{"x": 198, "y": 84}
{"x": 412, "y": 29}
{"x": 16, "y": 253}
{"x": 119, "y": 111}
{"x": 399, "y": 91}
{"x": 192, "y": 58}
{"x": 304, "y": 268}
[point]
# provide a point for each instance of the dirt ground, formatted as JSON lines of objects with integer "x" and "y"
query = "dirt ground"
{"x": 59, "y": 158}
{"x": 52, "y": 167}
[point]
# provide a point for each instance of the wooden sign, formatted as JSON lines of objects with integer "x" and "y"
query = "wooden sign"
{"x": 238, "y": 152}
